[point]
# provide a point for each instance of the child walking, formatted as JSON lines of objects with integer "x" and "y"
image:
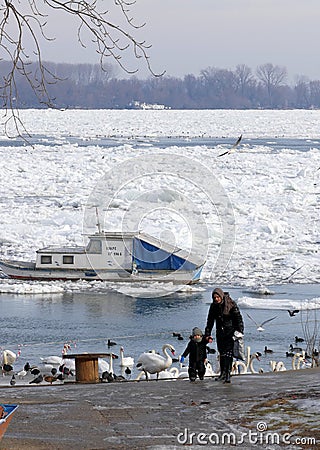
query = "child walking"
{"x": 197, "y": 351}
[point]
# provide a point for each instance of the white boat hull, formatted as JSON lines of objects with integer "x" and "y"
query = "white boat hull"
{"x": 29, "y": 271}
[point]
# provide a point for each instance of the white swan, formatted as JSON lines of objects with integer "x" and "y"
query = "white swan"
{"x": 273, "y": 365}
{"x": 209, "y": 370}
{"x": 153, "y": 363}
{"x": 9, "y": 357}
{"x": 103, "y": 366}
{"x": 252, "y": 358}
{"x": 52, "y": 360}
{"x": 280, "y": 367}
{"x": 297, "y": 359}
{"x": 170, "y": 374}
{"x": 125, "y": 361}
{"x": 239, "y": 368}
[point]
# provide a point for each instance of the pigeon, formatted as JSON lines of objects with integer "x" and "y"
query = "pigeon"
{"x": 50, "y": 378}
{"x": 211, "y": 350}
{"x": 260, "y": 326}
{"x": 37, "y": 380}
{"x": 293, "y": 312}
{"x": 22, "y": 373}
{"x": 27, "y": 367}
{"x": 7, "y": 368}
{"x": 233, "y": 148}
{"x": 107, "y": 376}
{"x": 35, "y": 371}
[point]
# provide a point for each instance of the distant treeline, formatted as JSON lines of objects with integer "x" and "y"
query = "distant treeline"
{"x": 87, "y": 86}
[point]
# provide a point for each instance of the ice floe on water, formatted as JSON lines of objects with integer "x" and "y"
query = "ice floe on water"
{"x": 283, "y": 304}
{"x": 31, "y": 288}
{"x": 254, "y": 214}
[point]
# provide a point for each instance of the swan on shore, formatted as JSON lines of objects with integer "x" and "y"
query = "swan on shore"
{"x": 8, "y": 357}
{"x": 297, "y": 360}
{"x": 277, "y": 366}
{"x": 239, "y": 368}
{"x": 153, "y": 363}
{"x": 125, "y": 361}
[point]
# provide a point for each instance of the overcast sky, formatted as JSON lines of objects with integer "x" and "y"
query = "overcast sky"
{"x": 190, "y": 35}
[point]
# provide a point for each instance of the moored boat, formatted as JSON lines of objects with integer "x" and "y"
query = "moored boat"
{"x": 6, "y": 414}
{"x": 111, "y": 256}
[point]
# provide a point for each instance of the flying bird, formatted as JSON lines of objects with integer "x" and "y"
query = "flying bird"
{"x": 293, "y": 312}
{"x": 260, "y": 326}
{"x": 233, "y": 148}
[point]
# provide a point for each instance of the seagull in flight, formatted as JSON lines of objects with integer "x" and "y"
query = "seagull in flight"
{"x": 233, "y": 148}
{"x": 293, "y": 312}
{"x": 260, "y": 326}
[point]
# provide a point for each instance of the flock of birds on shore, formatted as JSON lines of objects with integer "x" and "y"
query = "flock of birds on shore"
{"x": 150, "y": 364}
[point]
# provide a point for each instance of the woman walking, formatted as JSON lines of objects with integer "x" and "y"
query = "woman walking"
{"x": 224, "y": 312}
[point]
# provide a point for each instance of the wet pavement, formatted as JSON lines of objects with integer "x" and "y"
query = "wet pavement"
{"x": 270, "y": 410}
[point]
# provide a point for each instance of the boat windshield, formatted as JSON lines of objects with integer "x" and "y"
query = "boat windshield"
{"x": 94, "y": 246}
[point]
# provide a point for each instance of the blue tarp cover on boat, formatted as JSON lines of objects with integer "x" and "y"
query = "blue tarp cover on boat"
{"x": 150, "y": 257}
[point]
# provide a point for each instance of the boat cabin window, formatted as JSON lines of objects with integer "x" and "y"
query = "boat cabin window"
{"x": 68, "y": 259}
{"x": 46, "y": 259}
{"x": 94, "y": 246}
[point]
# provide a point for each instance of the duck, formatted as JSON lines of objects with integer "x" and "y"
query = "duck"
{"x": 178, "y": 336}
{"x": 153, "y": 363}
{"x": 125, "y": 361}
{"x": 295, "y": 349}
{"x": 267, "y": 350}
{"x": 298, "y": 339}
{"x": 111, "y": 343}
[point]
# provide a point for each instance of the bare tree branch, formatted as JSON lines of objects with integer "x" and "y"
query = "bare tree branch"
{"x": 22, "y": 22}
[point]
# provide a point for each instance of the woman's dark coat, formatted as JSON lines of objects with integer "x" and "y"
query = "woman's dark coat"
{"x": 228, "y": 319}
